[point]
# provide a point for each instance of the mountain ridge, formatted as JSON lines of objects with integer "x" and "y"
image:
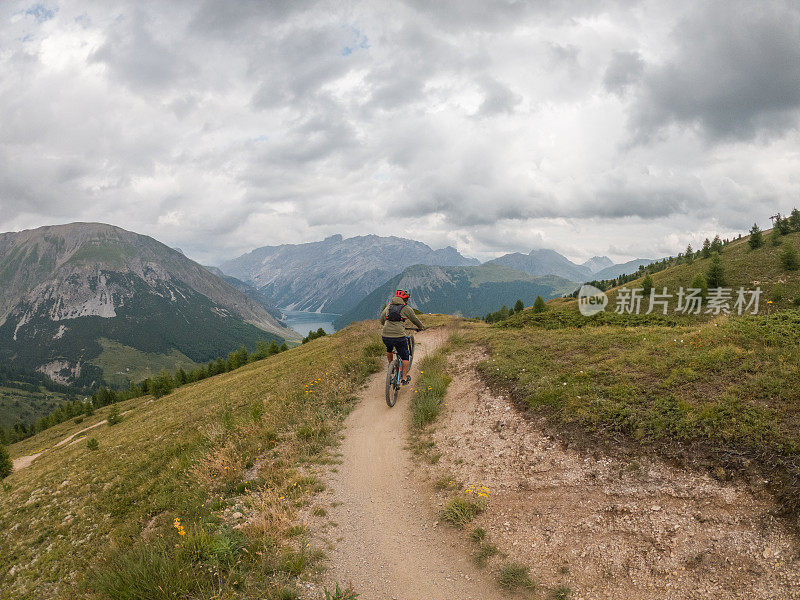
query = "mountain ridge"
{"x": 469, "y": 291}
{"x": 332, "y": 275}
{"x": 65, "y": 287}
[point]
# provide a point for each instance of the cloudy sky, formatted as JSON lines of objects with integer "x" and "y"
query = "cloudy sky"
{"x": 621, "y": 128}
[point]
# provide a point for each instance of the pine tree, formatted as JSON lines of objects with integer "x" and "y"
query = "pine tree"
{"x": 519, "y": 306}
{"x": 699, "y": 283}
{"x": 88, "y": 408}
{"x": 794, "y": 220}
{"x": 789, "y": 258}
{"x": 714, "y": 275}
{"x": 6, "y": 465}
{"x": 181, "y": 378}
{"x": 283, "y": 347}
{"x": 756, "y": 237}
{"x": 539, "y": 306}
{"x": 782, "y": 225}
{"x": 716, "y": 245}
{"x": 113, "y": 415}
{"x": 689, "y": 254}
{"x": 647, "y": 285}
{"x": 502, "y": 313}
{"x": 775, "y": 236}
{"x": 706, "y": 251}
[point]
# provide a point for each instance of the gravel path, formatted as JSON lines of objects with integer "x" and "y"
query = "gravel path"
{"x": 388, "y": 543}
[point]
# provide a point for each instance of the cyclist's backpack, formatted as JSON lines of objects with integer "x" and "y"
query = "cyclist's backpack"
{"x": 394, "y": 312}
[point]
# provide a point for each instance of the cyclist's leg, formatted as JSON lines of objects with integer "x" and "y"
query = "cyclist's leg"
{"x": 389, "y": 349}
{"x": 402, "y": 351}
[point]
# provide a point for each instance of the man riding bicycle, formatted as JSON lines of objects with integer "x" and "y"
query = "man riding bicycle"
{"x": 394, "y": 331}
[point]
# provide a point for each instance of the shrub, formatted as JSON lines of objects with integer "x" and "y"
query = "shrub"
{"x": 113, "y": 415}
{"x": 513, "y": 576}
{"x": 562, "y": 592}
{"x": 460, "y": 511}
{"x": 699, "y": 282}
{"x": 6, "y": 465}
{"x": 92, "y": 444}
{"x": 340, "y": 593}
{"x": 539, "y": 306}
{"x": 789, "y": 258}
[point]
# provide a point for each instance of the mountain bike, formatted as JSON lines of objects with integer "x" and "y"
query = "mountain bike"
{"x": 394, "y": 374}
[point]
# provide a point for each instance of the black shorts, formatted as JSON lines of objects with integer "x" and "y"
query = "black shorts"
{"x": 401, "y": 344}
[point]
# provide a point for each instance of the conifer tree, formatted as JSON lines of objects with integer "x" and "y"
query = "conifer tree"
{"x": 519, "y": 306}
{"x": 539, "y": 306}
{"x": 714, "y": 276}
{"x": 6, "y": 465}
{"x": 775, "y": 236}
{"x": 647, "y": 286}
{"x": 789, "y": 258}
{"x": 756, "y": 237}
{"x": 689, "y": 254}
{"x": 794, "y": 220}
{"x": 782, "y": 225}
{"x": 706, "y": 251}
{"x": 716, "y": 245}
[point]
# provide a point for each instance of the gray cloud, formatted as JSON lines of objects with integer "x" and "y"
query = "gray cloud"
{"x": 734, "y": 72}
{"x": 625, "y": 69}
{"x": 220, "y": 126}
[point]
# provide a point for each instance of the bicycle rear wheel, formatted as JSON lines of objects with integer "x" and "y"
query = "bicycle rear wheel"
{"x": 391, "y": 385}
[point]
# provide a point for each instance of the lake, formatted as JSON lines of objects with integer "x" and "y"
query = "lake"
{"x": 303, "y": 322}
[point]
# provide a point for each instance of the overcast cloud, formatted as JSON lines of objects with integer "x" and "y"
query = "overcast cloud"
{"x": 621, "y": 128}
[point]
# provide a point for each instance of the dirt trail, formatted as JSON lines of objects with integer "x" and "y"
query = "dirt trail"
{"x": 389, "y": 546}
{"x": 24, "y": 462}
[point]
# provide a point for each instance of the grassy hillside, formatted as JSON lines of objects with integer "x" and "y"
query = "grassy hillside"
{"x": 230, "y": 457}
{"x": 714, "y": 390}
{"x": 25, "y": 405}
{"x": 122, "y": 365}
{"x": 742, "y": 267}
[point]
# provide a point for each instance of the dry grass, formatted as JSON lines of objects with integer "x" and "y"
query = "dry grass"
{"x": 185, "y": 455}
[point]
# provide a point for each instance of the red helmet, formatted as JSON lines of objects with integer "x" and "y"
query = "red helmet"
{"x": 402, "y": 294}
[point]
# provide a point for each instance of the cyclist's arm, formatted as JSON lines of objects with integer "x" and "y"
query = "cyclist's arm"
{"x": 413, "y": 318}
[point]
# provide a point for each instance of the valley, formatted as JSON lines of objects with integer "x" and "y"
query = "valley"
{"x": 547, "y": 454}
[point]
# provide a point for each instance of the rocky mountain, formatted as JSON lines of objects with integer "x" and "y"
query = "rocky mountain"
{"x": 70, "y": 294}
{"x": 250, "y": 291}
{"x": 544, "y": 262}
{"x": 469, "y": 291}
{"x": 598, "y": 263}
{"x": 335, "y": 274}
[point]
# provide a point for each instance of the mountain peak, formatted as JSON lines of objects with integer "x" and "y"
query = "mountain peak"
{"x": 597, "y": 263}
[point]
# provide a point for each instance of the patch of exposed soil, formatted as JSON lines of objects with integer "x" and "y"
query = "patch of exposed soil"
{"x": 610, "y": 527}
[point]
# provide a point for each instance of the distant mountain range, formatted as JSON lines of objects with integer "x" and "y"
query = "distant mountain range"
{"x": 335, "y": 274}
{"x": 469, "y": 291}
{"x": 72, "y": 294}
{"x": 550, "y": 262}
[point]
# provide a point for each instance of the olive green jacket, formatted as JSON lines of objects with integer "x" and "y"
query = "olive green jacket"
{"x": 396, "y": 329}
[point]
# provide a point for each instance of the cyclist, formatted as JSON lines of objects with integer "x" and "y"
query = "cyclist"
{"x": 394, "y": 332}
